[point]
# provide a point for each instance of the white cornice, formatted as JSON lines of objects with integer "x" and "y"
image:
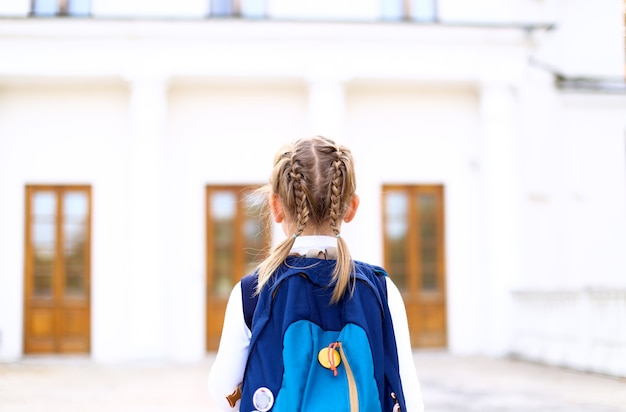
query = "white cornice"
{"x": 258, "y": 49}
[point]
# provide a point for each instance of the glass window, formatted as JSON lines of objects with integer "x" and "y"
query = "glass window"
{"x": 45, "y": 7}
{"x": 61, "y": 8}
{"x": 423, "y": 10}
{"x": 237, "y": 238}
{"x": 254, "y": 231}
{"x": 236, "y": 8}
{"x": 79, "y": 8}
{"x": 253, "y": 8}
{"x": 222, "y": 214}
{"x": 223, "y": 8}
{"x": 396, "y": 231}
{"x": 75, "y": 215}
{"x": 428, "y": 245}
{"x": 58, "y": 241}
{"x": 43, "y": 242}
{"x": 392, "y": 9}
{"x": 416, "y": 10}
{"x": 413, "y": 236}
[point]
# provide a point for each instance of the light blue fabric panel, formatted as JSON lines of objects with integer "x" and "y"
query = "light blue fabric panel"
{"x": 309, "y": 387}
{"x": 357, "y": 351}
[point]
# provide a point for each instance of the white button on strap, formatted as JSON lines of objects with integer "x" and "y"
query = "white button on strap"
{"x": 263, "y": 399}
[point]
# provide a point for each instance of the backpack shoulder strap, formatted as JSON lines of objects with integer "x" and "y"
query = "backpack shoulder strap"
{"x": 248, "y": 297}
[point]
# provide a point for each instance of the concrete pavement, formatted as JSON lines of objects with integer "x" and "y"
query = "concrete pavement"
{"x": 449, "y": 384}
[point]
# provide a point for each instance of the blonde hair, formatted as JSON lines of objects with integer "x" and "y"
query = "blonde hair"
{"x": 314, "y": 179}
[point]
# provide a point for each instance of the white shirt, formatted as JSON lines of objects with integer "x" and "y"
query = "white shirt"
{"x": 232, "y": 355}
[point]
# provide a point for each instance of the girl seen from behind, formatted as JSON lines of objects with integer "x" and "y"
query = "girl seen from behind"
{"x": 312, "y": 329}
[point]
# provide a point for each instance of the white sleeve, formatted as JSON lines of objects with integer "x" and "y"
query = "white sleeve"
{"x": 230, "y": 362}
{"x": 408, "y": 373}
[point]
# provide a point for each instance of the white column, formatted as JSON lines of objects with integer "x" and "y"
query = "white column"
{"x": 144, "y": 286}
{"x": 497, "y": 121}
{"x": 12, "y": 209}
{"x": 327, "y": 109}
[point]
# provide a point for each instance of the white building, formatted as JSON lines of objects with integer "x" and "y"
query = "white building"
{"x": 490, "y": 140}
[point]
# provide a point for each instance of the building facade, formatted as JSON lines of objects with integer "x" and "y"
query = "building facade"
{"x": 490, "y": 143}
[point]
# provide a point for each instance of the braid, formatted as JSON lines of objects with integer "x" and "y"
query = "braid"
{"x": 302, "y": 208}
{"x": 344, "y": 269}
{"x": 335, "y": 197}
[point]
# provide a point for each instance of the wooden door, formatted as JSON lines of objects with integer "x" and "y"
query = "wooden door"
{"x": 238, "y": 238}
{"x": 415, "y": 257}
{"x": 57, "y": 269}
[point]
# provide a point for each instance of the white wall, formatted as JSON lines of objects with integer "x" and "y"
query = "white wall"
{"x": 573, "y": 197}
{"x": 48, "y": 137}
{"x": 596, "y": 225}
{"x": 588, "y": 40}
{"x": 570, "y": 296}
{"x": 15, "y": 8}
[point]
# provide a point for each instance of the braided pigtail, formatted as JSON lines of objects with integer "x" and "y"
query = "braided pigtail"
{"x": 345, "y": 265}
{"x": 291, "y": 190}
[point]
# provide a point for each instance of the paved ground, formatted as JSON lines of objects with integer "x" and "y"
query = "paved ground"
{"x": 449, "y": 384}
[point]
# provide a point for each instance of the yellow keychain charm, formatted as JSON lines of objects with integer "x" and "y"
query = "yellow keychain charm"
{"x": 329, "y": 358}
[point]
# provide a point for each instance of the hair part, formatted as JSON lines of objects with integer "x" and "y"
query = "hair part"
{"x": 315, "y": 181}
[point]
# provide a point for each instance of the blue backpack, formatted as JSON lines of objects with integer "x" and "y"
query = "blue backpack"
{"x": 308, "y": 355}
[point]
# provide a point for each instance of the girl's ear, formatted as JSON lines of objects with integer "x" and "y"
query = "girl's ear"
{"x": 352, "y": 207}
{"x": 276, "y": 208}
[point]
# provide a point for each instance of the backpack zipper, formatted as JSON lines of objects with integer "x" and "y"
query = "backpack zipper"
{"x": 352, "y": 389}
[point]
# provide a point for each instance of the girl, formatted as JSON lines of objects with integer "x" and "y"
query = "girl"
{"x": 310, "y": 193}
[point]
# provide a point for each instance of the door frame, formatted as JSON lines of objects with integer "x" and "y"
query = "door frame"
{"x": 425, "y": 308}
{"x": 57, "y": 302}
{"x": 215, "y": 306}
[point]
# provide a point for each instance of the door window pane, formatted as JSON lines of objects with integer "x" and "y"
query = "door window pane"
{"x": 44, "y": 204}
{"x": 44, "y": 233}
{"x": 237, "y": 236}
{"x": 236, "y": 8}
{"x": 43, "y": 242}
{"x": 222, "y": 8}
{"x": 45, "y": 7}
{"x": 79, "y": 8}
{"x": 415, "y": 10}
{"x": 253, "y": 8}
{"x": 75, "y": 214}
{"x": 255, "y": 243}
{"x": 396, "y": 233}
{"x": 428, "y": 240}
{"x": 392, "y": 9}
{"x": 75, "y": 204}
{"x": 222, "y": 214}
{"x": 423, "y": 10}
